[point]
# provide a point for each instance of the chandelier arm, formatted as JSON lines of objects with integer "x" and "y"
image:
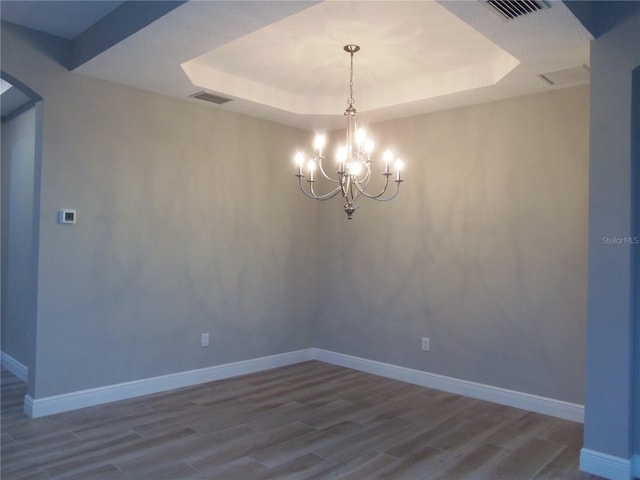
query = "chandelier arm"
{"x": 325, "y": 196}
{"x": 382, "y": 192}
{"x": 306, "y": 194}
{"x": 360, "y": 185}
{"x": 345, "y": 185}
{"x": 332, "y": 180}
{"x": 313, "y": 195}
{"x": 356, "y": 194}
{"x": 364, "y": 183}
{"x": 378, "y": 199}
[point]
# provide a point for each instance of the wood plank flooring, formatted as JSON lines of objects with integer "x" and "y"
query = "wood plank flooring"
{"x": 308, "y": 421}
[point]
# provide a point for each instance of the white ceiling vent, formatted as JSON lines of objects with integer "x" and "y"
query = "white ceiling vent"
{"x": 567, "y": 76}
{"x": 210, "y": 97}
{"x": 511, "y": 9}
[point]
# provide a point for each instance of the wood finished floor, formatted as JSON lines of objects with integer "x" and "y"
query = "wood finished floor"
{"x": 305, "y": 421}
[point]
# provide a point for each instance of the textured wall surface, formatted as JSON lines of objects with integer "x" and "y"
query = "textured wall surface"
{"x": 484, "y": 251}
{"x": 185, "y": 225}
{"x": 189, "y": 220}
{"x": 18, "y": 294}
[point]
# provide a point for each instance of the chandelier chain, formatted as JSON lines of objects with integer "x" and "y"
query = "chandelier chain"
{"x": 351, "y": 82}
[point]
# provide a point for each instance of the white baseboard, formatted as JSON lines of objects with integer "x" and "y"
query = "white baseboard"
{"x": 20, "y": 370}
{"x": 96, "y": 396}
{"x": 607, "y": 466}
{"x": 525, "y": 401}
{"x": 41, "y": 407}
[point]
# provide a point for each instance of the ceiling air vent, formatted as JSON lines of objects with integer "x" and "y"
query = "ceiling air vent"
{"x": 511, "y": 9}
{"x": 210, "y": 97}
{"x": 567, "y": 76}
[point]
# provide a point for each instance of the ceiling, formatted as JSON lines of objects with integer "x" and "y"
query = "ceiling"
{"x": 284, "y": 60}
{"x": 12, "y": 99}
{"x": 64, "y": 19}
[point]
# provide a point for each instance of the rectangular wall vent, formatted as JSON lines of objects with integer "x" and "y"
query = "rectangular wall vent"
{"x": 210, "y": 97}
{"x": 511, "y": 9}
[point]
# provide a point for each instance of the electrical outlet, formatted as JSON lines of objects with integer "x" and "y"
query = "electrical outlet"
{"x": 204, "y": 340}
{"x": 426, "y": 344}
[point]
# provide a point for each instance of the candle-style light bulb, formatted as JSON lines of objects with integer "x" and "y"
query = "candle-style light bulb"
{"x": 387, "y": 157}
{"x": 355, "y": 168}
{"x": 361, "y": 136}
{"x": 318, "y": 143}
{"x": 299, "y": 159}
{"x": 341, "y": 155}
{"x": 399, "y": 165}
{"x": 368, "y": 146}
{"x": 311, "y": 166}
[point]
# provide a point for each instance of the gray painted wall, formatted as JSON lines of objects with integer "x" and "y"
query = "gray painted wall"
{"x": 609, "y": 411}
{"x": 484, "y": 251}
{"x": 186, "y": 225}
{"x": 18, "y": 248}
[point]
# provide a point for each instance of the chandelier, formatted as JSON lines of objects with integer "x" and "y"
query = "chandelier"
{"x": 353, "y": 159}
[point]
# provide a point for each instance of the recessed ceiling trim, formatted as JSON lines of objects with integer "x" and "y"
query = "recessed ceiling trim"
{"x": 151, "y": 58}
{"x": 423, "y": 52}
{"x": 375, "y": 97}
